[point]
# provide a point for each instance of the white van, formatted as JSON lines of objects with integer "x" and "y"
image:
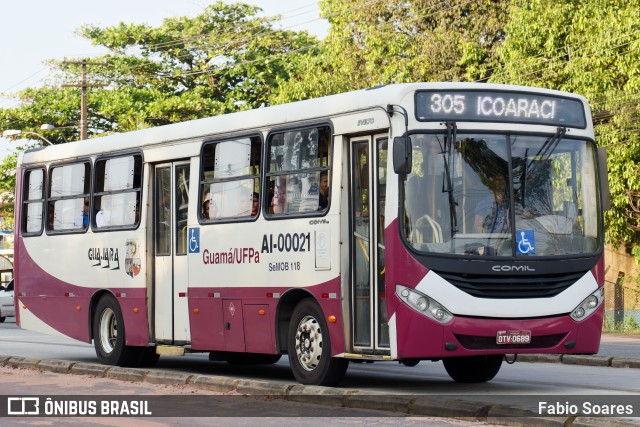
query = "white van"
{"x": 7, "y": 307}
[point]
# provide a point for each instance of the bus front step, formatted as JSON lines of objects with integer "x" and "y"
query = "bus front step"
{"x": 169, "y": 350}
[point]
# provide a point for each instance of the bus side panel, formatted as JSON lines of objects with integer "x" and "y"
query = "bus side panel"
{"x": 259, "y": 263}
{"x": 259, "y": 305}
{"x": 56, "y": 303}
{"x": 205, "y": 319}
{"x": 134, "y": 313}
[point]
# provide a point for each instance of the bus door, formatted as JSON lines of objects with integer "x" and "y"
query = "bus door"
{"x": 171, "y": 201}
{"x": 368, "y": 159}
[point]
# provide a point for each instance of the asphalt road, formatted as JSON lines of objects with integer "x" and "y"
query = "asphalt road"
{"x": 520, "y": 385}
{"x": 388, "y": 377}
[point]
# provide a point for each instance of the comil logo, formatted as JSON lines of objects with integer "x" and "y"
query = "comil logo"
{"x": 23, "y": 406}
{"x": 512, "y": 268}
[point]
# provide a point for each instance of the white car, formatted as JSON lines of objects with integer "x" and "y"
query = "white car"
{"x": 7, "y": 307}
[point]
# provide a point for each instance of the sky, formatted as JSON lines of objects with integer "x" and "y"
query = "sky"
{"x": 33, "y": 31}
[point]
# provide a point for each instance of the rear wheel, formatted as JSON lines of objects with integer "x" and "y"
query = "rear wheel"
{"x": 108, "y": 335}
{"x": 309, "y": 347}
{"x": 473, "y": 369}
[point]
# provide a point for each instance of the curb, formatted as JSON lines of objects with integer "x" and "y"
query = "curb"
{"x": 126, "y": 374}
{"x": 570, "y": 359}
{"x": 57, "y": 366}
{"x": 91, "y": 369}
{"x": 543, "y": 358}
{"x": 622, "y": 362}
{"x": 583, "y": 360}
{"x": 439, "y": 406}
{"x": 167, "y": 378}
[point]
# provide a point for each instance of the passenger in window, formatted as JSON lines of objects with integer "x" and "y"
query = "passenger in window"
{"x": 255, "y": 204}
{"x": 278, "y": 202}
{"x": 85, "y": 213}
{"x": 50, "y": 217}
{"x": 137, "y": 215}
{"x": 206, "y": 203}
{"x": 324, "y": 194}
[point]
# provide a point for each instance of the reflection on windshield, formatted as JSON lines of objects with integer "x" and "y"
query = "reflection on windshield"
{"x": 512, "y": 195}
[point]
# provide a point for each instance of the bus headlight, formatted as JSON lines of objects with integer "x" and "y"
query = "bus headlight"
{"x": 589, "y": 305}
{"x": 423, "y": 304}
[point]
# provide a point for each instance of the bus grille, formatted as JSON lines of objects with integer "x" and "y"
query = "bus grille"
{"x": 481, "y": 286}
{"x": 471, "y": 342}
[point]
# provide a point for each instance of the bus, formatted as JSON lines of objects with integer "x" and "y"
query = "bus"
{"x": 458, "y": 222}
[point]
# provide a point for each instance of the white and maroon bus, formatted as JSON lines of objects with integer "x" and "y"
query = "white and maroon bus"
{"x": 439, "y": 221}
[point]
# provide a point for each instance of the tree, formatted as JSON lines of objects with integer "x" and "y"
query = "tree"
{"x": 590, "y": 48}
{"x": 373, "y": 42}
{"x": 226, "y": 59}
{"x": 8, "y": 188}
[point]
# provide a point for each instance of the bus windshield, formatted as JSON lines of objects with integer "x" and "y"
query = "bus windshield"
{"x": 501, "y": 195}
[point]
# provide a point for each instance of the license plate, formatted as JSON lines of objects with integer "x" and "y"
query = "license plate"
{"x": 513, "y": 337}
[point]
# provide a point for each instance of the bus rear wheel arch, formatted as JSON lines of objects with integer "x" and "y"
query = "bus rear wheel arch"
{"x": 109, "y": 337}
{"x": 309, "y": 347}
{"x": 473, "y": 369}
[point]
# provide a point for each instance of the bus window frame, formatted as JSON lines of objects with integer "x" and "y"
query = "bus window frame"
{"x": 267, "y": 174}
{"x": 49, "y": 199}
{"x": 202, "y": 181}
{"x": 94, "y": 193}
{"x": 25, "y": 202}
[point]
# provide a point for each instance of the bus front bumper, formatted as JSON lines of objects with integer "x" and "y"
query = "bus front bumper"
{"x": 422, "y": 338}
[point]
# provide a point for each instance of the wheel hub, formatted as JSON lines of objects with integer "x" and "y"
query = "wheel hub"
{"x": 309, "y": 343}
{"x": 108, "y": 330}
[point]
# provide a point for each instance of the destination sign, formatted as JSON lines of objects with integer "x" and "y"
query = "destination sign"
{"x": 498, "y": 106}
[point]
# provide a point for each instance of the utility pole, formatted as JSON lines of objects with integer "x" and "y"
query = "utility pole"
{"x": 84, "y": 123}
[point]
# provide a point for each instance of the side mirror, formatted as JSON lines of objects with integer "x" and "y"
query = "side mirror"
{"x": 402, "y": 155}
{"x": 603, "y": 177}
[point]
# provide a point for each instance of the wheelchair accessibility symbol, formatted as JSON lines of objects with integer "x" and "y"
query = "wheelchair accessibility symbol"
{"x": 194, "y": 240}
{"x": 525, "y": 242}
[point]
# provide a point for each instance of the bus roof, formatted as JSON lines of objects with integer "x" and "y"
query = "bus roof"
{"x": 244, "y": 121}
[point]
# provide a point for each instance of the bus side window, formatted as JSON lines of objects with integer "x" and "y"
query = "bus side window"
{"x": 68, "y": 189}
{"x": 33, "y": 201}
{"x": 116, "y": 201}
{"x": 230, "y": 178}
{"x": 298, "y": 172}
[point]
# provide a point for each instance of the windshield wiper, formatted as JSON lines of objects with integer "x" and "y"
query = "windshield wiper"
{"x": 547, "y": 148}
{"x": 449, "y": 140}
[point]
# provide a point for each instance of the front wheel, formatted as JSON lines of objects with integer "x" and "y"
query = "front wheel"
{"x": 473, "y": 369}
{"x": 108, "y": 335}
{"x": 309, "y": 347}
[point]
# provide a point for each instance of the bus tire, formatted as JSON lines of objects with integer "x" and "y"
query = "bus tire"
{"x": 309, "y": 347}
{"x": 2, "y": 319}
{"x": 108, "y": 335}
{"x": 473, "y": 369}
